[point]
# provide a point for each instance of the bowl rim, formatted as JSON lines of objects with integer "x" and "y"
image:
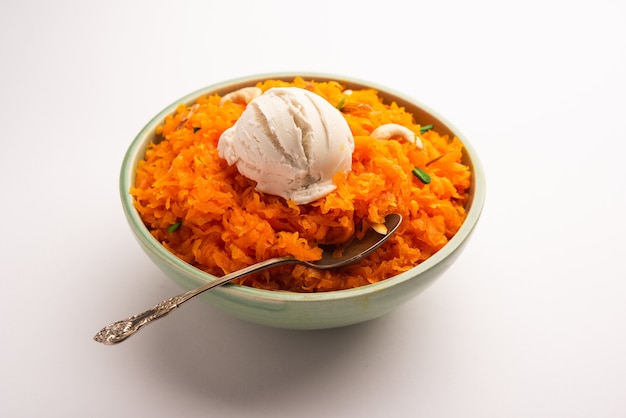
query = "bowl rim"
{"x": 141, "y": 140}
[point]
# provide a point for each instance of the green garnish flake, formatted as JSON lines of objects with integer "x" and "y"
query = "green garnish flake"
{"x": 421, "y": 175}
{"x": 426, "y": 128}
{"x": 174, "y": 227}
{"x": 341, "y": 103}
{"x": 196, "y": 129}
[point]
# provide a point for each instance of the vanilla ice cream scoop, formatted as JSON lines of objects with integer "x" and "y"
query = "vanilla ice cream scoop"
{"x": 290, "y": 141}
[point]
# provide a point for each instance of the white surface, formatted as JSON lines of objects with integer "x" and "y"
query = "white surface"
{"x": 529, "y": 323}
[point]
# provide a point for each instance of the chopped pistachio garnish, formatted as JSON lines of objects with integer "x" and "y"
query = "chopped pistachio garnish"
{"x": 421, "y": 175}
{"x": 174, "y": 226}
{"x": 341, "y": 103}
{"x": 426, "y": 128}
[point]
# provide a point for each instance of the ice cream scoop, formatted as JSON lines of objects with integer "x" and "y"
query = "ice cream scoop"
{"x": 290, "y": 141}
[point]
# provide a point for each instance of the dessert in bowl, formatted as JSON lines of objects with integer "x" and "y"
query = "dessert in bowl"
{"x": 216, "y": 181}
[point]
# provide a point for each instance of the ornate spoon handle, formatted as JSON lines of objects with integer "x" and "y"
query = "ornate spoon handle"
{"x": 120, "y": 330}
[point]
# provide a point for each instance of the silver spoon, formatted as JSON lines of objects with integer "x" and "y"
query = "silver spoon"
{"x": 357, "y": 249}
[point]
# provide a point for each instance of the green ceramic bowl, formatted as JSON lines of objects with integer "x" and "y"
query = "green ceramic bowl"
{"x": 297, "y": 310}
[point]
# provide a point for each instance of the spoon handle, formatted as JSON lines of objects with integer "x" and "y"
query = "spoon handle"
{"x": 120, "y": 330}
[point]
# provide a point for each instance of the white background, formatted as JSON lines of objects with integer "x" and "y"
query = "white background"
{"x": 530, "y": 322}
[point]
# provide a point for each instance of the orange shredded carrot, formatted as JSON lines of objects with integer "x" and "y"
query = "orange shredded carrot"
{"x": 227, "y": 225}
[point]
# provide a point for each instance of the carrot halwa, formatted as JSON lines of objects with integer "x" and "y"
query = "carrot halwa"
{"x": 208, "y": 214}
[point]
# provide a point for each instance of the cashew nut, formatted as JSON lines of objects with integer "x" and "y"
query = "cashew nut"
{"x": 390, "y": 130}
{"x": 380, "y": 228}
{"x": 184, "y": 117}
{"x": 242, "y": 96}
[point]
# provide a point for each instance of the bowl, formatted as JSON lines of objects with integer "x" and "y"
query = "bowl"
{"x": 305, "y": 310}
